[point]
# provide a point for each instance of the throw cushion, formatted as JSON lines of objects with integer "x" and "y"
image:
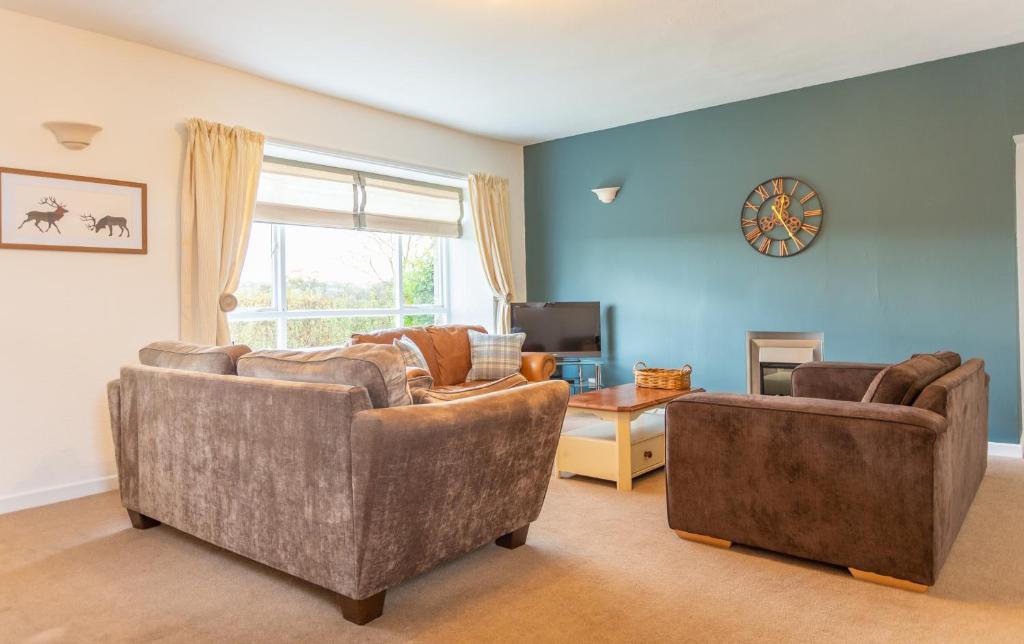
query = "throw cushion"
{"x": 494, "y": 356}
{"x": 949, "y": 359}
{"x": 873, "y": 387}
{"x": 411, "y": 354}
{"x": 377, "y": 367}
{"x": 900, "y": 384}
{"x": 427, "y": 396}
{"x": 451, "y": 344}
{"x": 417, "y": 334}
{"x": 193, "y": 357}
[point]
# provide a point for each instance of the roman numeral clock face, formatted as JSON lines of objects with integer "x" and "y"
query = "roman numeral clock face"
{"x": 781, "y": 217}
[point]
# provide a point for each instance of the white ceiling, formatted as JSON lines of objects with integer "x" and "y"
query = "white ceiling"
{"x": 533, "y": 70}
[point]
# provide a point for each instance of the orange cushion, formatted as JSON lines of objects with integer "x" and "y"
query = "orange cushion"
{"x": 451, "y": 348}
{"x": 417, "y": 334}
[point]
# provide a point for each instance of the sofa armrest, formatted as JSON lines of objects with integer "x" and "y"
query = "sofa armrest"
{"x": 434, "y": 481}
{"x": 418, "y": 379}
{"x": 834, "y": 380}
{"x": 412, "y": 373}
{"x": 537, "y": 366}
{"x": 846, "y": 483}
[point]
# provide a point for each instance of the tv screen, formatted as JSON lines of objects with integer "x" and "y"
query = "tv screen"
{"x": 562, "y": 328}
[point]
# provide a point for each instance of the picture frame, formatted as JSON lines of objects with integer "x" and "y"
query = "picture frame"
{"x": 53, "y": 211}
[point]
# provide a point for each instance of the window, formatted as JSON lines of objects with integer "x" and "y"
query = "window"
{"x": 322, "y": 265}
{"x": 304, "y": 286}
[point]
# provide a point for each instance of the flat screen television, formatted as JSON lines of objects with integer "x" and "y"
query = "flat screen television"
{"x": 562, "y": 328}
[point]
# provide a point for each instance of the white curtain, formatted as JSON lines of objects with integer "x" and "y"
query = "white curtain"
{"x": 218, "y": 194}
{"x": 489, "y": 200}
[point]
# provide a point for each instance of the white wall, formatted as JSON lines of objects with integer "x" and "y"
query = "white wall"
{"x": 69, "y": 320}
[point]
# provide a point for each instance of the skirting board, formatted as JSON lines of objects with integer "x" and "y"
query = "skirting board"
{"x": 56, "y": 494}
{"x": 1005, "y": 449}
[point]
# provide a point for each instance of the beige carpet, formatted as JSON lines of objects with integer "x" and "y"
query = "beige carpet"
{"x": 600, "y": 566}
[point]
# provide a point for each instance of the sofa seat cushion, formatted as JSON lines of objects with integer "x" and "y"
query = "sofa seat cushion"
{"x": 467, "y": 389}
{"x": 900, "y": 384}
{"x": 377, "y": 367}
{"x": 220, "y": 360}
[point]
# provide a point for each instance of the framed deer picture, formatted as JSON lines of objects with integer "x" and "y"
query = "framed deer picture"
{"x": 47, "y": 211}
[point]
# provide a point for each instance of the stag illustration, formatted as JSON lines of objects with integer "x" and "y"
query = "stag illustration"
{"x": 49, "y": 216}
{"x": 108, "y": 223}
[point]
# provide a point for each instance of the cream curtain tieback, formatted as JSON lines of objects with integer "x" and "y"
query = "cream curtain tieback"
{"x": 228, "y": 302}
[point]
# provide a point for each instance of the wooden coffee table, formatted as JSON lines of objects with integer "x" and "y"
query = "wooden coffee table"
{"x": 614, "y": 447}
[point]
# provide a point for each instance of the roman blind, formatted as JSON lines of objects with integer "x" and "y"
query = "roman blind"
{"x": 294, "y": 192}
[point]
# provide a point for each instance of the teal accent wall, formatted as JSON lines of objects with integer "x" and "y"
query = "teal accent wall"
{"x": 917, "y": 250}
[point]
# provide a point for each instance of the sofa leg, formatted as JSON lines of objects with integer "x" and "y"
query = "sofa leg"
{"x": 513, "y": 539}
{"x": 884, "y": 580}
{"x": 362, "y": 611}
{"x": 701, "y": 538}
{"x": 141, "y": 521}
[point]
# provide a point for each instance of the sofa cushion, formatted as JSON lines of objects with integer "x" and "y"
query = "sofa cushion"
{"x": 451, "y": 344}
{"x": 467, "y": 389}
{"x": 901, "y": 383}
{"x": 495, "y": 356}
{"x": 377, "y": 367}
{"x": 949, "y": 359}
{"x": 936, "y": 396}
{"x": 417, "y": 334}
{"x": 411, "y": 354}
{"x": 193, "y": 357}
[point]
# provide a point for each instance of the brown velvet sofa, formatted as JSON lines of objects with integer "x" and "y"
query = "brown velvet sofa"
{"x": 447, "y": 350}
{"x": 879, "y": 487}
{"x": 311, "y": 479}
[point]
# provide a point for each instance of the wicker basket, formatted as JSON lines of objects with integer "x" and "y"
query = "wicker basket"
{"x": 661, "y": 378}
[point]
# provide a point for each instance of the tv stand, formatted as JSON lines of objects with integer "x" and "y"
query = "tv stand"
{"x": 580, "y": 382}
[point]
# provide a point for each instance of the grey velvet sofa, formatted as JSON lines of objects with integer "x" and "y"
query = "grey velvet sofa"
{"x": 311, "y": 479}
{"x": 867, "y": 466}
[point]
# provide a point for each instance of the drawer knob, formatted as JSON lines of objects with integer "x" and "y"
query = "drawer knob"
{"x": 648, "y": 454}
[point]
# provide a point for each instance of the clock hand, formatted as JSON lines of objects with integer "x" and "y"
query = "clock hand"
{"x": 778, "y": 215}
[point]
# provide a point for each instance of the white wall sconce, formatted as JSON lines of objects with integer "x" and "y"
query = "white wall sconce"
{"x": 74, "y": 136}
{"x": 606, "y": 195}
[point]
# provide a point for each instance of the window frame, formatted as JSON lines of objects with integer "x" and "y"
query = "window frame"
{"x": 279, "y": 313}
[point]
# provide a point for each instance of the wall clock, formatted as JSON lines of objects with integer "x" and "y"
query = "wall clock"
{"x": 781, "y": 217}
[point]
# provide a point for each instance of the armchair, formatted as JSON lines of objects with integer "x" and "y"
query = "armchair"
{"x": 879, "y": 488}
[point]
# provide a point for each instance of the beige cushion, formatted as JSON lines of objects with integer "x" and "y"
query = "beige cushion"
{"x": 467, "y": 390}
{"x": 377, "y": 367}
{"x": 495, "y": 356}
{"x": 411, "y": 354}
{"x": 193, "y": 357}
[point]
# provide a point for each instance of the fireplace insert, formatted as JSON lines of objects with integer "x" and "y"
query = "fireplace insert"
{"x": 777, "y": 378}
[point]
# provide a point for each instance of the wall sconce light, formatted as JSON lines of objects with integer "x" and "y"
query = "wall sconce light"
{"x": 606, "y": 195}
{"x": 74, "y": 136}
